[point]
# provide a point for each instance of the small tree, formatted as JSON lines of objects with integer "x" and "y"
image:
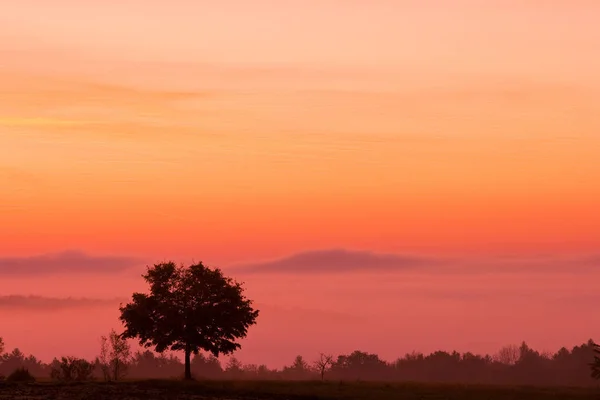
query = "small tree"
{"x": 595, "y": 366}
{"x": 189, "y": 309}
{"x": 299, "y": 364}
{"x": 115, "y": 355}
{"x": 324, "y": 362}
{"x": 103, "y": 360}
{"x": 70, "y": 369}
{"x": 298, "y": 370}
{"x": 508, "y": 355}
{"x": 84, "y": 370}
{"x": 20, "y": 375}
{"x": 234, "y": 368}
{"x": 119, "y": 356}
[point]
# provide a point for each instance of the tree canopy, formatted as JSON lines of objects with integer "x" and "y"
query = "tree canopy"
{"x": 189, "y": 309}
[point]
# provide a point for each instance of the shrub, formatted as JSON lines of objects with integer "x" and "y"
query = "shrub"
{"x": 70, "y": 369}
{"x": 20, "y": 375}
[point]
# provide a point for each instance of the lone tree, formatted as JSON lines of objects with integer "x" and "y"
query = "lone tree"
{"x": 189, "y": 309}
{"x": 324, "y": 362}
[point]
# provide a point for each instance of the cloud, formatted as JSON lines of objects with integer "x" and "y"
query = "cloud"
{"x": 274, "y": 313}
{"x": 335, "y": 261}
{"x": 65, "y": 262}
{"x": 35, "y": 303}
{"x": 58, "y": 105}
{"x": 34, "y": 121}
{"x": 533, "y": 263}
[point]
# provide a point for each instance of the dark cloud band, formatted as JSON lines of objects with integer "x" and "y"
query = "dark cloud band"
{"x": 65, "y": 262}
{"x": 335, "y": 261}
{"x": 33, "y": 303}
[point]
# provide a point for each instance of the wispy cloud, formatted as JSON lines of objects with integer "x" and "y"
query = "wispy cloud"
{"x": 34, "y": 121}
{"x": 52, "y": 104}
{"x": 336, "y": 261}
{"x": 44, "y": 303}
{"x": 33, "y": 303}
{"x": 65, "y": 262}
{"x": 340, "y": 260}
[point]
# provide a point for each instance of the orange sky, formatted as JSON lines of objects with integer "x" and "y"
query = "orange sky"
{"x": 235, "y": 132}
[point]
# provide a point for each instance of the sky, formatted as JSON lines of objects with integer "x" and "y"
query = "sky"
{"x": 376, "y": 172}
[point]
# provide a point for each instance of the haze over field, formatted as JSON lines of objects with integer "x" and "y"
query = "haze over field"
{"x": 386, "y": 175}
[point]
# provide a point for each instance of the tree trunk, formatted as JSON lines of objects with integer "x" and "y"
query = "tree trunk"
{"x": 188, "y": 366}
{"x": 116, "y": 370}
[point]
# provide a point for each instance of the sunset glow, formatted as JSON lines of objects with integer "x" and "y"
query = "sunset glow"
{"x": 239, "y": 132}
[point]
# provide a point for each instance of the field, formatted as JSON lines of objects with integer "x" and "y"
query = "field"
{"x": 149, "y": 390}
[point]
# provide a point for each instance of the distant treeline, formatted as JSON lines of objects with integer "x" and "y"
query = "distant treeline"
{"x": 512, "y": 365}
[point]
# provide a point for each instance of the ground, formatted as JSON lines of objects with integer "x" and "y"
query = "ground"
{"x": 149, "y": 390}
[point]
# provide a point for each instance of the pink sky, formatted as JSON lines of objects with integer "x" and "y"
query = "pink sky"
{"x": 233, "y": 132}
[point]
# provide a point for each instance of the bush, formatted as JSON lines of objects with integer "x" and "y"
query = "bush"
{"x": 70, "y": 369}
{"x": 20, "y": 375}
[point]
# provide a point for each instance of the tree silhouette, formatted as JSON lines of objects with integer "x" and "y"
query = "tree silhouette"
{"x": 323, "y": 363}
{"x": 189, "y": 309}
{"x": 234, "y": 368}
{"x": 103, "y": 360}
{"x": 1, "y": 346}
{"x": 596, "y": 364}
{"x": 119, "y": 356}
{"x": 508, "y": 355}
{"x": 298, "y": 370}
{"x": 69, "y": 369}
{"x": 115, "y": 356}
{"x": 359, "y": 365}
{"x": 566, "y": 367}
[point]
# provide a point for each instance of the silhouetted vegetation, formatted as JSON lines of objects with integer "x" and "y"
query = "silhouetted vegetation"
{"x": 189, "y": 309}
{"x": 566, "y": 367}
{"x": 595, "y": 365}
{"x": 10, "y": 362}
{"x": 324, "y": 362}
{"x": 71, "y": 369}
{"x": 20, "y": 375}
{"x": 199, "y": 311}
{"x": 115, "y": 356}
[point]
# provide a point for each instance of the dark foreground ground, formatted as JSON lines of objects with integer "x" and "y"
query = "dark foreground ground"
{"x": 150, "y": 390}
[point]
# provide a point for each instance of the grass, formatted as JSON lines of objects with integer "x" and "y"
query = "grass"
{"x": 232, "y": 390}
